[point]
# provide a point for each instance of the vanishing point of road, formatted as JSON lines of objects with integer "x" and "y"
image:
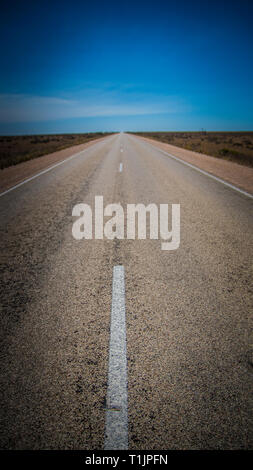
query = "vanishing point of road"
{"x": 164, "y": 335}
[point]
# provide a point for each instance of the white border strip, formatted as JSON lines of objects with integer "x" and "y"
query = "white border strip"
{"x": 216, "y": 178}
{"x": 47, "y": 169}
{"x": 116, "y": 431}
{"x": 40, "y": 173}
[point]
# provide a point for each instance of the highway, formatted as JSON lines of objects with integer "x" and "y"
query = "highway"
{"x": 180, "y": 321}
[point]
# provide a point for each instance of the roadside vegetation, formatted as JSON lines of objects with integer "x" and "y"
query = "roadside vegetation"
{"x": 17, "y": 149}
{"x": 234, "y": 146}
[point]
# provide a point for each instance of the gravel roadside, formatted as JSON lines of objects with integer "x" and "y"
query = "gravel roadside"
{"x": 231, "y": 172}
{"x": 15, "y": 174}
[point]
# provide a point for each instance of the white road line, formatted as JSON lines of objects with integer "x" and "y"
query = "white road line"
{"x": 43, "y": 172}
{"x": 120, "y": 167}
{"x": 116, "y": 431}
{"x": 121, "y": 150}
{"x": 40, "y": 173}
{"x": 216, "y": 178}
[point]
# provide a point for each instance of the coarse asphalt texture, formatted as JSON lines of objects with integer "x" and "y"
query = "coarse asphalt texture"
{"x": 188, "y": 311}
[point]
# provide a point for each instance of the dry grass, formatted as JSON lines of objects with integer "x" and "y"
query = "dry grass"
{"x": 17, "y": 149}
{"x": 233, "y": 146}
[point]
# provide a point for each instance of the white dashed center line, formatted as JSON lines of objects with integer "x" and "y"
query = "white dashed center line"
{"x": 120, "y": 167}
{"x": 116, "y": 432}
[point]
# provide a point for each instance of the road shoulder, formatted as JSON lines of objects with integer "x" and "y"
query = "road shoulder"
{"x": 15, "y": 174}
{"x": 238, "y": 175}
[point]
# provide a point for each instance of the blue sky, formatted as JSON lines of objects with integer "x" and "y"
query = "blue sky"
{"x": 109, "y": 66}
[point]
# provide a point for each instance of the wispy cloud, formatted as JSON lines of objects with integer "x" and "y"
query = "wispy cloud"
{"x": 89, "y": 103}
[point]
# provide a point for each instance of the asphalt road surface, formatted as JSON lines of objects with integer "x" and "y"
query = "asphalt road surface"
{"x": 186, "y": 314}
